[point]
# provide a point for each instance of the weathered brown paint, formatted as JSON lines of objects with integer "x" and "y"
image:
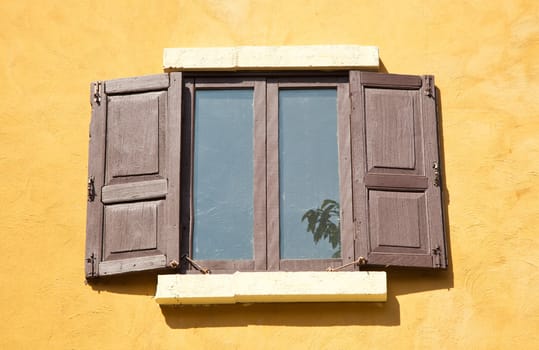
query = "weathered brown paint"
{"x": 397, "y": 208}
{"x": 260, "y": 178}
{"x": 273, "y": 175}
{"x": 345, "y": 172}
{"x": 96, "y": 171}
{"x": 138, "y": 84}
{"x": 259, "y": 191}
{"x": 136, "y": 133}
{"x": 387, "y": 138}
{"x": 343, "y": 109}
{"x": 130, "y": 191}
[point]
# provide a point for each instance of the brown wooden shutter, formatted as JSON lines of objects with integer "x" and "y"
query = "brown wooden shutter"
{"x": 134, "y": 173}
{"x": 397, "y": 199}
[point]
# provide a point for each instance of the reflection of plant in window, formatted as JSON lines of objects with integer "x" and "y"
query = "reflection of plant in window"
{"x": 325, "y": 223}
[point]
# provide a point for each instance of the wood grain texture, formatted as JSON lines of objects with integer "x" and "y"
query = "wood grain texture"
{"x": 130, "y": 227}
{"x": 133, "y": 134}
{"x": 382, "y": 125}
{"x": 395, "y": 182}
{"x": 308, "y": 264}
{"x": 400, "y": 259}
{"x": 135, "y": 158}
{"x": 437, "y": 231}
{"x": 390, "y": 128}
{"x": 187, "y": 132}
{"x": 288, "y": 82}
{"x": 225, "y": 82}
{"x": 259, "y": 173}
{"x": 136, "y": 145}
{"x": 172, "y": 161}
{"x": 397, "y": 209}
{"x": 96, "y": 171}
{"x": 131, "y": 191}
{"x": 407, "y": 224}
{"x": 358, "y": 147}
{"x": 115, "y": 267}
{"x": 345, "y": 171}
{"x": 394, "y": 81}
{"x": 272, "y": 206}
{"x": 137, "y": 84}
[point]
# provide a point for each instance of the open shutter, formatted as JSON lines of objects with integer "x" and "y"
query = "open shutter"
{"x": 134, "y": 175}
{"x": 396, "y": 187}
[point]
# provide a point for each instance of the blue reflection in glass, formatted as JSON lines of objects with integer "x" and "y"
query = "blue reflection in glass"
{"x": 223, "y": 174}
{"x": 308, "y": 174}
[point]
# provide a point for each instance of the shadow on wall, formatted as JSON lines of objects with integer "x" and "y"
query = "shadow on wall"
{"x": 138, "y": 283}
{"x": 297, "y": 314}
{"x": 382, "y": 68}
{"x": 400, "y": 282}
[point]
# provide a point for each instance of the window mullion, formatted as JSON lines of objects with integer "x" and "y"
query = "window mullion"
{"x": 259, "y": 173}
{"x": 272, "y": 168}
{"x": 345, "y": 172}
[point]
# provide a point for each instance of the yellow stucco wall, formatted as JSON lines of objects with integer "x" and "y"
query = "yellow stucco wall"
{"x": 485, "y": 56}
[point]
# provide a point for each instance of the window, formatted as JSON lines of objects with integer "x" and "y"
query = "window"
{"x": 222, "y": 175}
{"x": 264, "y": 172}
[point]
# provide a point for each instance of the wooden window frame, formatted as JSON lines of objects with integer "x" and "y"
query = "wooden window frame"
{"x": 266, "y": 235}
{"x": 275, "y": 263}
{"x": 366, "y": 227}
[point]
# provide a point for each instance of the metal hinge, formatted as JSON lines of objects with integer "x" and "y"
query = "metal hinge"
{"x": 437, "y": 252}
{"x": 428, "y": 85}
{"x": 97, "y": 92}
{"x": 91, "y": 189}
{"x": 436, "y": 168}
{"x": 91, "y": 260}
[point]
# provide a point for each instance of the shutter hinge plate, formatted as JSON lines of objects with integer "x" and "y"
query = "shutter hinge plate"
{"x": 428, "y": 85}
{"x": 91, "y": 260}
{"x": 437, "y": 252}
{"x": 436, "y": 169}
{"x": 97, "y": 92}
{"x": 91, "y": 189}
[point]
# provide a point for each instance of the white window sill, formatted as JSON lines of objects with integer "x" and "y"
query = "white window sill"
{"x": 272, "y": 287}
{"x": 312, "y": 57}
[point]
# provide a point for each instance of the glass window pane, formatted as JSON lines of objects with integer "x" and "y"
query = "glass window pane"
{"x": 308, "y": 174}
{"x": 223, "y": 174}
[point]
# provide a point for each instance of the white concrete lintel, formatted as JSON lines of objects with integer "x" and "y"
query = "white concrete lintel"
{"x": 311, "y": 57}
{"x": 271, "y": 287}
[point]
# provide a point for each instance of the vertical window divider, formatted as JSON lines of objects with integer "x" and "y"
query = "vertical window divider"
{"x": 272, "y": 89}
{"x": 186, "y": 205}
{"x": 345, "y": 172}
{"x": 260, "y": 176}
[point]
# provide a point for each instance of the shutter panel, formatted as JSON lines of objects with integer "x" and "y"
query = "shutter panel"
{"x": 397, "y": 199}
{"x": 134, "y": 161}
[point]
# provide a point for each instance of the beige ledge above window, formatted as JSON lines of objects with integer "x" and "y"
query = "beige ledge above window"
{"x": 272, "y": 287}
{"x": 313, "y": 57}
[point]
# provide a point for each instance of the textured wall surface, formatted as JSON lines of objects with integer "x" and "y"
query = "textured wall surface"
{"x": 485, "y": 56}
